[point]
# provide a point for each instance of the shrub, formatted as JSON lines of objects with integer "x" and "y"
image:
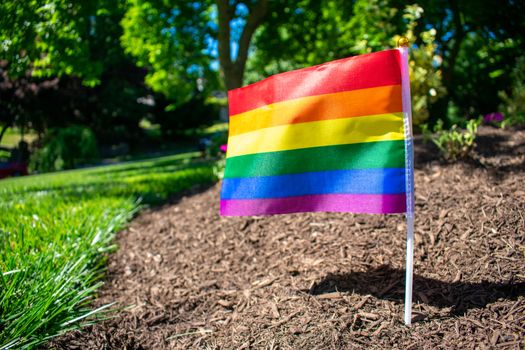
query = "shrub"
{"x": 217, "y": 149}
{"x": 219, "y": 166}
{"x": 424, "y": 64}
{"x": 454, "y": 143}
{"x": 65, "y": 148}
{"x": 514, "y": 103}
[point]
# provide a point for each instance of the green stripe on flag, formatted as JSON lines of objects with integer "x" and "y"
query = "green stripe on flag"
{"x": 367, "y": 155}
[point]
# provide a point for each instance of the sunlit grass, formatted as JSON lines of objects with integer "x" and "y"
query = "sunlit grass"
{"x": 218, "y": 127}
{"x": 12, "y": 137}
{"x": 55, "y": 230}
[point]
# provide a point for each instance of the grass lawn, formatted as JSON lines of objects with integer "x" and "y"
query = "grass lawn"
{"x": 217, "y": 127}
{"x": 12, "y": 137}
{"x": 55, "y": 230}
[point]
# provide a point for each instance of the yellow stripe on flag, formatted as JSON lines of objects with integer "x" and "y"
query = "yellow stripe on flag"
{"x": 372, "y": 128}
{"x": 355, "y": 103}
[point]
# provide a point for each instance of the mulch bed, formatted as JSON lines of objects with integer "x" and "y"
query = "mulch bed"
{"x": 188, "y": 278}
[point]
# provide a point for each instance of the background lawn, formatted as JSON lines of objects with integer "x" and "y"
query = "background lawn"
{"x": 12, "y": 137}
{"x": 55, "y": 230}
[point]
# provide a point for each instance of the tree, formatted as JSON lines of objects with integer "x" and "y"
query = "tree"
{"x": 311, "y": 32}
{"x": 307, "y": 32}
{"x": 513, "y": 102}
{"x": 252, "y": 14}
{"x": 110, "y": 109}
{"x": 176, "y": 41}
{"x": 479, "y": 43}
{"x": 59, "y": 37}
{"x": 63, "y": 65}
{"x": 170, "y": 39}
{"x": 460, "y": 52}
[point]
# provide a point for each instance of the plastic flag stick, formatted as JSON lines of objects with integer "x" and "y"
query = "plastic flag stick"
{"x": 409, "y": 163}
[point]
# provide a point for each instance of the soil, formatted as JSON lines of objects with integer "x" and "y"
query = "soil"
{"x": 184, "y": 277}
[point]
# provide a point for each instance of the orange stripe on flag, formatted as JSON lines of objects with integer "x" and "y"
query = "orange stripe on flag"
{"x": 352, "y": 73}
{"x": 356, "y": 103}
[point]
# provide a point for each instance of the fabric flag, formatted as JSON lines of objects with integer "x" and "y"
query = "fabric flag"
{"x": 324, "y": 138}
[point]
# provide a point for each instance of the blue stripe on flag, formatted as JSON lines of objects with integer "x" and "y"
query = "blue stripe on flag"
{"x": 356, "y": 181}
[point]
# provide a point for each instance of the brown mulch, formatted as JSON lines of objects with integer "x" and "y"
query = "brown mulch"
{"x": 188, "y": 278}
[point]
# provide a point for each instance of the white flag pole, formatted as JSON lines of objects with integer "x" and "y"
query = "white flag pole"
{"x": 409, "y": 175}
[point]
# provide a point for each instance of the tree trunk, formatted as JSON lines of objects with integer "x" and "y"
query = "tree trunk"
{"x": 233, "y": 79}
{"x": 233, "y": 70}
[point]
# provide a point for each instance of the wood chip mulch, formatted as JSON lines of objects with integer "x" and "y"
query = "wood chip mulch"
{"x": 187, "y": 278}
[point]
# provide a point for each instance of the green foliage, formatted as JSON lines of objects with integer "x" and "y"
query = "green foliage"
{"x": 459, "y": 52}
{"x": 482, "y": 70}
{"x": 169, "y": 38}
{"x": 218, "y": 139}
{"x": 65, "y": 148}
{"x": 219, "y": 166}
{"x": 214, "y": 149}
{"x": 454, "y": 143}
{"x": 4, "y": 155}
{"x": 192, "y": 114}
{"x": 58, "y": 229}
{"x": 513, "y": 105}
{"x": 53, "y": 53}
{"x": 425, "y": 73}
{"x": 478, "y": 41}
{"x": 307, "y": 32}
{"x": 327, "y": 30}
{"x": 299, "y": 34}
{"x": 342, "y": 30}
{"x": 372, "y": 26}
{"x": 59, "y": 37}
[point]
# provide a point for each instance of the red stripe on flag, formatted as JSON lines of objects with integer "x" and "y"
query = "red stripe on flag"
{"x": 358, "y": 72}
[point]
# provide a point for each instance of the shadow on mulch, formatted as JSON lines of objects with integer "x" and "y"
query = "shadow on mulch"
{"x": 387, "y": 283}
{"x": 497, "y": 150}
{"x": 493, "y": 150}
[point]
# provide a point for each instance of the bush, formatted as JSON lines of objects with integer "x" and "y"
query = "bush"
{"x": 65, "y": 148}
{"x": 455, "y": 143}
{"x": 216, "y": 149}
{"x": 218, "y": 167}
{"x": 514, "y": 103}
{"x": 425, "y": 62}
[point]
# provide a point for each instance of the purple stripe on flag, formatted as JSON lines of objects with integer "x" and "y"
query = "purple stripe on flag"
{"x": 354, "y": 203}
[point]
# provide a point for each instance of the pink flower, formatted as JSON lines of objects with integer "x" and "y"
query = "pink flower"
{"x": 493, "y": 117}
{"x": 223, "y": 148}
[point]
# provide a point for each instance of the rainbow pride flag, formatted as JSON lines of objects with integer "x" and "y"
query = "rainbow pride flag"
{"x": 324, "y": 138}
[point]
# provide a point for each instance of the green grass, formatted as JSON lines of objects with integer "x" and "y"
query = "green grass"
{"x": 56, "y": 229}
{"x": 217, "y": 127}
{"x": 12, "y": 137}
{"x": 206, "y": 131}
